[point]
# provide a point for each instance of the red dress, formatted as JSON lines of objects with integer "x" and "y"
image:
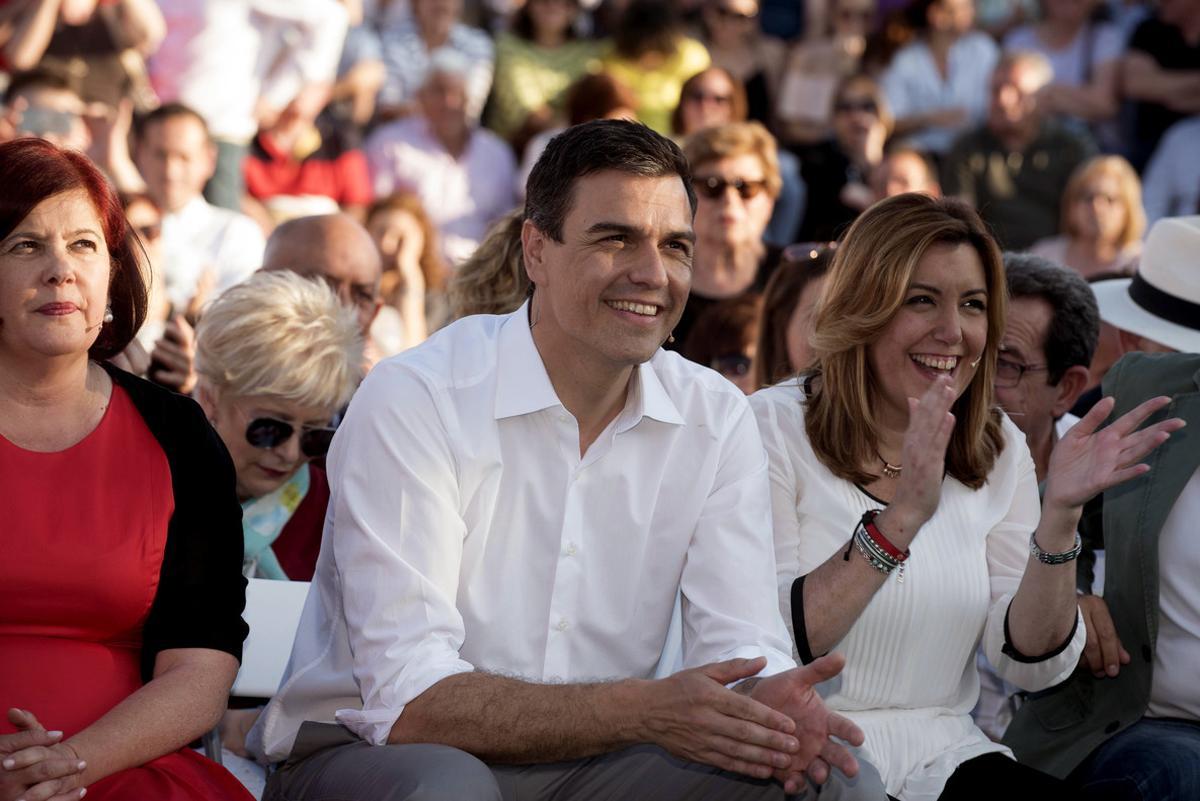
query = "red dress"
{"x": 82, "y": 537}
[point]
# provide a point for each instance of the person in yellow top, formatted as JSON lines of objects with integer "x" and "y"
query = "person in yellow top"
{"x": 652, "y": 56}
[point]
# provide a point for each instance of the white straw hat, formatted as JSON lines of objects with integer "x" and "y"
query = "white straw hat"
{"x": 1162, "y": 301}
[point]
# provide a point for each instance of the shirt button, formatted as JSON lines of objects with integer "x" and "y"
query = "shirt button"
{"x": 570, "y": 550}
{"x": 563, "y": 625}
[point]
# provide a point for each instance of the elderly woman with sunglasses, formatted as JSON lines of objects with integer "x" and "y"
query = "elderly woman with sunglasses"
{"x": 277, "y": 357}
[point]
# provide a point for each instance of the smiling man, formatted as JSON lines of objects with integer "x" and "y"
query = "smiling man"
{"x": 517, "y": 504}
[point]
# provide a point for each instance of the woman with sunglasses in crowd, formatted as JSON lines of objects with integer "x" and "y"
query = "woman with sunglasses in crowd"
{"x": 277, "y": 357}
{"x": 905, "y": 504}
{"x": 120, "y": 585}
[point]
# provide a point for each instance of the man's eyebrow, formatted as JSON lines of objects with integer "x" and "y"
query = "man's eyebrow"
{"x": 630, "y": 230}
{"x": 1012, "y": 350}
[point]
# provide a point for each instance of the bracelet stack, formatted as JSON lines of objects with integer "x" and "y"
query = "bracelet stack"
{"x": 1054, "y": 558}
{"x": 876, "y": 548}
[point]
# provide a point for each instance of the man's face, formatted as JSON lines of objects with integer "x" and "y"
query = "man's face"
{"x": 443, "y": 101}
{"x": 55, "y": 115}
{"x": 903, "y": 172}
{"x": 1032, "y": 402}
{"x": 176, "y": 159}
{"x": 350, "y": 270}
{"x": 609, "y": 294}
{"x": 1014, "y": 98}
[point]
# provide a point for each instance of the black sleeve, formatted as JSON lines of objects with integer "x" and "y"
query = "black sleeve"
{"x": 201, "y": 590}
{"x": 1146, "y": 37}
{"x": 799, "y": 629}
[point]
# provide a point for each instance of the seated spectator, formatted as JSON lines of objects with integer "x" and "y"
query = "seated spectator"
{"x": 493, "y": 280}
{"x": 273, "y": 418}
{"x": 145, "y": 218}
{"x": 872, "y": 472}
{"x": 904, "y": 169}
{"x": 537, "y": 60}
{"x": 937, "y": 85}
{"x": 653, "y": 57}
{"x": 121, "y": 629}
{"x": 541, "y": 450}
{"x": 1127, "y": 724}
{"x": 298, "y": 166}
{"x": 789, "y": 306}
{"x": 206, "y": 249}
{"x": 714, "y": 97}
{"x": 736, "y": 178}
{"x": 725, "y": 338}
{"x": 1013, "y": 168}
{"x": 1050, "y": 336}
{"x": 595, "y": 96}
{"x": 1171, "y": 185}
{"x": 414, "y": 273}
{"x": 1161, "y": 71}
{"x": 1102, "y": 220}
{"x": 463, "y": 174}
{"x": 44, "y": 104}
{"x": 837, "y": 172}
{"x": 815, "y": 69}
{"x": 409, "y": 50}
{"x": 735, "y": 42}
{"x": 1085, "y": 55}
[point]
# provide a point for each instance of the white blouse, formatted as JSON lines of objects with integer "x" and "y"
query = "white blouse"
{"x": 910, "y": 680}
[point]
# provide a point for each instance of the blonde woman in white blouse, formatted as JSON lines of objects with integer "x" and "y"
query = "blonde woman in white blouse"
{"x": 898, "y": 416}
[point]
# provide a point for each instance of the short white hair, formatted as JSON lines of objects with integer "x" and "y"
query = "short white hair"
{"x": 1033, "y": 60}
{"x": 283, "y": 336}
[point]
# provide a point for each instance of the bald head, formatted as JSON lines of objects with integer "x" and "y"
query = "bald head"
{"x": 334, "y": 247}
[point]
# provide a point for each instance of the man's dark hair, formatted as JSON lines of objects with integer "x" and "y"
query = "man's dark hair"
{"x": 596, "y": 146}
{"x": 1075, "y": 320}
{"x": 165, "y": 112}
{"x": 38, "y": 78}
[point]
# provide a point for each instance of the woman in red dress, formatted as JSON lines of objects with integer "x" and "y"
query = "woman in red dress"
{"x": 120, "y": 583}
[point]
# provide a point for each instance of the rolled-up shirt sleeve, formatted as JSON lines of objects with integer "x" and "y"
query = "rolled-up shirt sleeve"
{"x": 729, "y": 602}
{"x": 397, "y": 539}
{"x": 1007, "y": 556}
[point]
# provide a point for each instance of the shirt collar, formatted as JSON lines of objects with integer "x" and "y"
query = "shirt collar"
{"x": 523, "y": 385}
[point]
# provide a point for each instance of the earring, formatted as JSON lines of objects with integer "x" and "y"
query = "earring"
{"x": 108, "y": 314}
{"x": 671, "y": 338}
{"x": 975, "y": 363}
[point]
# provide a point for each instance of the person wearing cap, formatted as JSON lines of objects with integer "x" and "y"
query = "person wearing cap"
{"x": 464, "y": 174}
{"x": 1126, "y": 725}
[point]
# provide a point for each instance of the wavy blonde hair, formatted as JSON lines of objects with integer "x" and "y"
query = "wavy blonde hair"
{"x": 284, "y": 336}
{"x": 493, "y": 280}
{"x": 865, "y": 288}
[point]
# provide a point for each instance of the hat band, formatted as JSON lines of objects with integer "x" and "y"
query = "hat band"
{"x": 1160, "y": 304}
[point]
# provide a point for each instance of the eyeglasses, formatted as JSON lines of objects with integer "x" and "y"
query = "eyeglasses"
{"x": 267, "y": 432}
{"x": 731, "y": 14}
{"x": 709, "y": 97}
{"x": 731, "y": 365}
{"x": 714, "y": 187}
{"x": 1009, "y": 374}
{"x": 845, "y": 106}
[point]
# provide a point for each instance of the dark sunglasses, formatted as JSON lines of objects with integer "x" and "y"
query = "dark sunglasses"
{"x": 701, "y": 97}
{"x": 869, "y": 106}
{"x": 267, "y": 432}
{"x": 714, "y": 187}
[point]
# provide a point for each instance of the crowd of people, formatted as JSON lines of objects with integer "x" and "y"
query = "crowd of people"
{"x": 664, "y": 398}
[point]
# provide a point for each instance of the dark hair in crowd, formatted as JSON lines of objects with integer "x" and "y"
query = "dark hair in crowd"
{"x": 595, "y": 96}
{"x": 1075, "y": 323}
{"x": 596, "y": 146}
{"x": 726, "y": 328}
{"x": 522, "y": 23}
{"x": 38, "y": 78}
{"x": 647, "y": 26}
{"x": 32, "y": 170}
{"x": 799, "y": 268}
{"x": 166, "y": 112}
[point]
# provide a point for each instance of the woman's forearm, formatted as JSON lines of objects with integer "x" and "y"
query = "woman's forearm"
{"x": 185, "y": 698}
{"x": 1043, "y": 610}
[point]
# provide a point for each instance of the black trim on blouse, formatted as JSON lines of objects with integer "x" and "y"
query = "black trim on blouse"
{"x": 201, "y": 590}
{"x": 1009, "y": 650}
{"x": 799, "y": 630}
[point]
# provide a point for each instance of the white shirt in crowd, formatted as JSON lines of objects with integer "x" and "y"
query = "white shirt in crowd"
{"x": 914, "y": 85}
{"x": 465, "y": 532}
{"x": 1096, "y": 43}
{"x": 462, "y": 196}
{"x": 220, "y": 56}
{"x": 910, "y": 680}
{"x": 407, "y": 62}
{"x": 202, "y": 238}
{"x": 1171, "y": 184}
{"x": 1173, "y": 691}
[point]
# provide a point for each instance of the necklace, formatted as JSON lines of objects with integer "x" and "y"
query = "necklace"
{"x": 890, "y": 470}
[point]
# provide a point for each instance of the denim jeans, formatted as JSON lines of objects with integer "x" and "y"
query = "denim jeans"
{"x": 1152, "y": 760}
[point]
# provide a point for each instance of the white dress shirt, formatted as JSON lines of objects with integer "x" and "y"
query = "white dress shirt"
{"x": 910, "y": 680}
{"x": 465, "y": 532}
{"x": 202, "y": 238}
{"x": 914, "y": 85}
{"x": 463, "y": 196}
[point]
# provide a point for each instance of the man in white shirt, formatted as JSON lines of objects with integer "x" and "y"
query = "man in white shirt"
{"x": 464, "y": 174}
{"x": 516, "y": 506}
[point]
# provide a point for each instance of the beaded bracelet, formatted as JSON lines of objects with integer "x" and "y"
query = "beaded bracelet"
{"x": 876, "y": 549}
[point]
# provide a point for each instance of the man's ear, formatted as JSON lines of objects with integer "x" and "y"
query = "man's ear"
{"x": 1070, "y": 387}
{"x": 533, "y": 246}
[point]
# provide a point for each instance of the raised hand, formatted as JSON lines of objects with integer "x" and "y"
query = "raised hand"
{"x": 792, "y": 693}
{"x": 696, "y": 717}
{"x": 35, "y": 765}
{"x": 1087, "y": 461}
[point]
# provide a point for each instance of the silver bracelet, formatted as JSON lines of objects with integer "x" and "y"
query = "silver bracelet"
{"x": 1054, "y": 558}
